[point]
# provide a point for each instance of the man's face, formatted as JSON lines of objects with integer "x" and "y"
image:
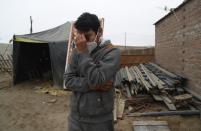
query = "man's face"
{"x": 89, "y": 35}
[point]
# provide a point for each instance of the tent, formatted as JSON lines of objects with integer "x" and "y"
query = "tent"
{"x": 41, "y": 55}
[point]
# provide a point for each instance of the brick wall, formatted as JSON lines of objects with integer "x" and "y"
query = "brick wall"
{"x": 178, "y": 43}
{"x": 136, "y": 56}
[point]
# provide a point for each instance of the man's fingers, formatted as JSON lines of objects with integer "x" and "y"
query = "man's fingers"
{"x": 83, "y": 37}
{"x": 81, "y": 43}
{"x": 80, "y": 38}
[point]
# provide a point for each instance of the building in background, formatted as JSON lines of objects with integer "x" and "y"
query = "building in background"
{"x": 178, "y": 42}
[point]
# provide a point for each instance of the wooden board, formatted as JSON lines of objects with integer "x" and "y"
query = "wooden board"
{"x": 169, "y": 103}
{"x": 115, "y": 110}
{"x": 183, "y": 97}
{"x": 157, "y": 97}
{"x": 120, "y": 108}
{"x": 150, "y": 126}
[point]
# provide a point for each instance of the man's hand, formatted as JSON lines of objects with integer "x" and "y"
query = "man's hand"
{"x": 81, "y": 43}
{"x": 108, "y": 85}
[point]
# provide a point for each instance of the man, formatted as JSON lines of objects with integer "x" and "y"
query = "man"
{"x": 92, "y": 68}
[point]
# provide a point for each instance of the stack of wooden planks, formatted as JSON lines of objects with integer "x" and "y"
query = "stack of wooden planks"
{"x": 154, "y": 80}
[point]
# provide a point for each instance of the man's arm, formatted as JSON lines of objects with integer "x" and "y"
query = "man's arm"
{"x": 98, "y": 73}
{"x": 95, "y": 74}
{"x": 72, "y": 79}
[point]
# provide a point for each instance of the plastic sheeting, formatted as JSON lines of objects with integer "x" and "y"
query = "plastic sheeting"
{"x": 57, "y": 34}
{"x": 58, "y": 53}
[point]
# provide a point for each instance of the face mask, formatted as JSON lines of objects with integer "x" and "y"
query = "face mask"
{"x": 92, "y": 45}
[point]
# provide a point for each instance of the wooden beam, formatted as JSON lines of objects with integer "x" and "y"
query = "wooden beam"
{"x": 165, "y": 113}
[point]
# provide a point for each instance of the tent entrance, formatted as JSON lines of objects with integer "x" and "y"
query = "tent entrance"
{"x": 34, "y": 62}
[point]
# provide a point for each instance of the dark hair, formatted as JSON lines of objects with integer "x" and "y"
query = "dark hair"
{"x": 86, "y": 22}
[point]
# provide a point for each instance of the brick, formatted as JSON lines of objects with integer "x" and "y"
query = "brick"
{"x": 178, "y": 44}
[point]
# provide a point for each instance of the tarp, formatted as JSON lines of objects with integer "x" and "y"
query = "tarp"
{"x": 57, "y": 34}
{"x": 41, "y": 51}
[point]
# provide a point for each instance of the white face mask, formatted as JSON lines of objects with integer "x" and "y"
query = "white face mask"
{"x": 92, "y": 45}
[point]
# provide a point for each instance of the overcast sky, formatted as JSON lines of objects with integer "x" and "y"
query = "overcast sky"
{"x": 135, "y": 17}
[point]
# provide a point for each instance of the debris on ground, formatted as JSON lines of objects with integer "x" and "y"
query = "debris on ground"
{"x": 46, "y": 88}
{"x": 50, "y": 101}
{"x": 141, "y": 85}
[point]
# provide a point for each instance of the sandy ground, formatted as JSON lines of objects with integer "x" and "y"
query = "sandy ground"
{"x": 23, "y": 109}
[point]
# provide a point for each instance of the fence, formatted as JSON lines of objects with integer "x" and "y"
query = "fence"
{"x": 6, "y": 63}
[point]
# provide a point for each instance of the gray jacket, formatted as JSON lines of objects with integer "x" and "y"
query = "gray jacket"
{"x": 87, "y": 70}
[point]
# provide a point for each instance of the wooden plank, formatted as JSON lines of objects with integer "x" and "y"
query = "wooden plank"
{"x": 150, "y": 126}
{"x": 120, "y": 108}
{"x": 153, "y": 123}
{"x": 157, "y": 97}
{"x": 170, "y": 106}
{"x": 183, "y": 97}
{"x": 128, "y": 91}
{"x": 130, "y": 78}
{"x": 145, "y": 83}
{"x": 165, "y": 71}
{"x": 135, "y": 75}
{"x": 169, "y": 103}
{"x": 148, "y": 75}
{"x": 115, "y": 110}
{"x": 166, "y": 99}
{"x": 160, "y": 83}
{"x": 165, "y": 113}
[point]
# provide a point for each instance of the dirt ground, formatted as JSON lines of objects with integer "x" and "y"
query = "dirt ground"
{"x": 24, "y": 109}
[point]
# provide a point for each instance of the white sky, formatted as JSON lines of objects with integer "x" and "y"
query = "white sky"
{"x": 135, "y": 17}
